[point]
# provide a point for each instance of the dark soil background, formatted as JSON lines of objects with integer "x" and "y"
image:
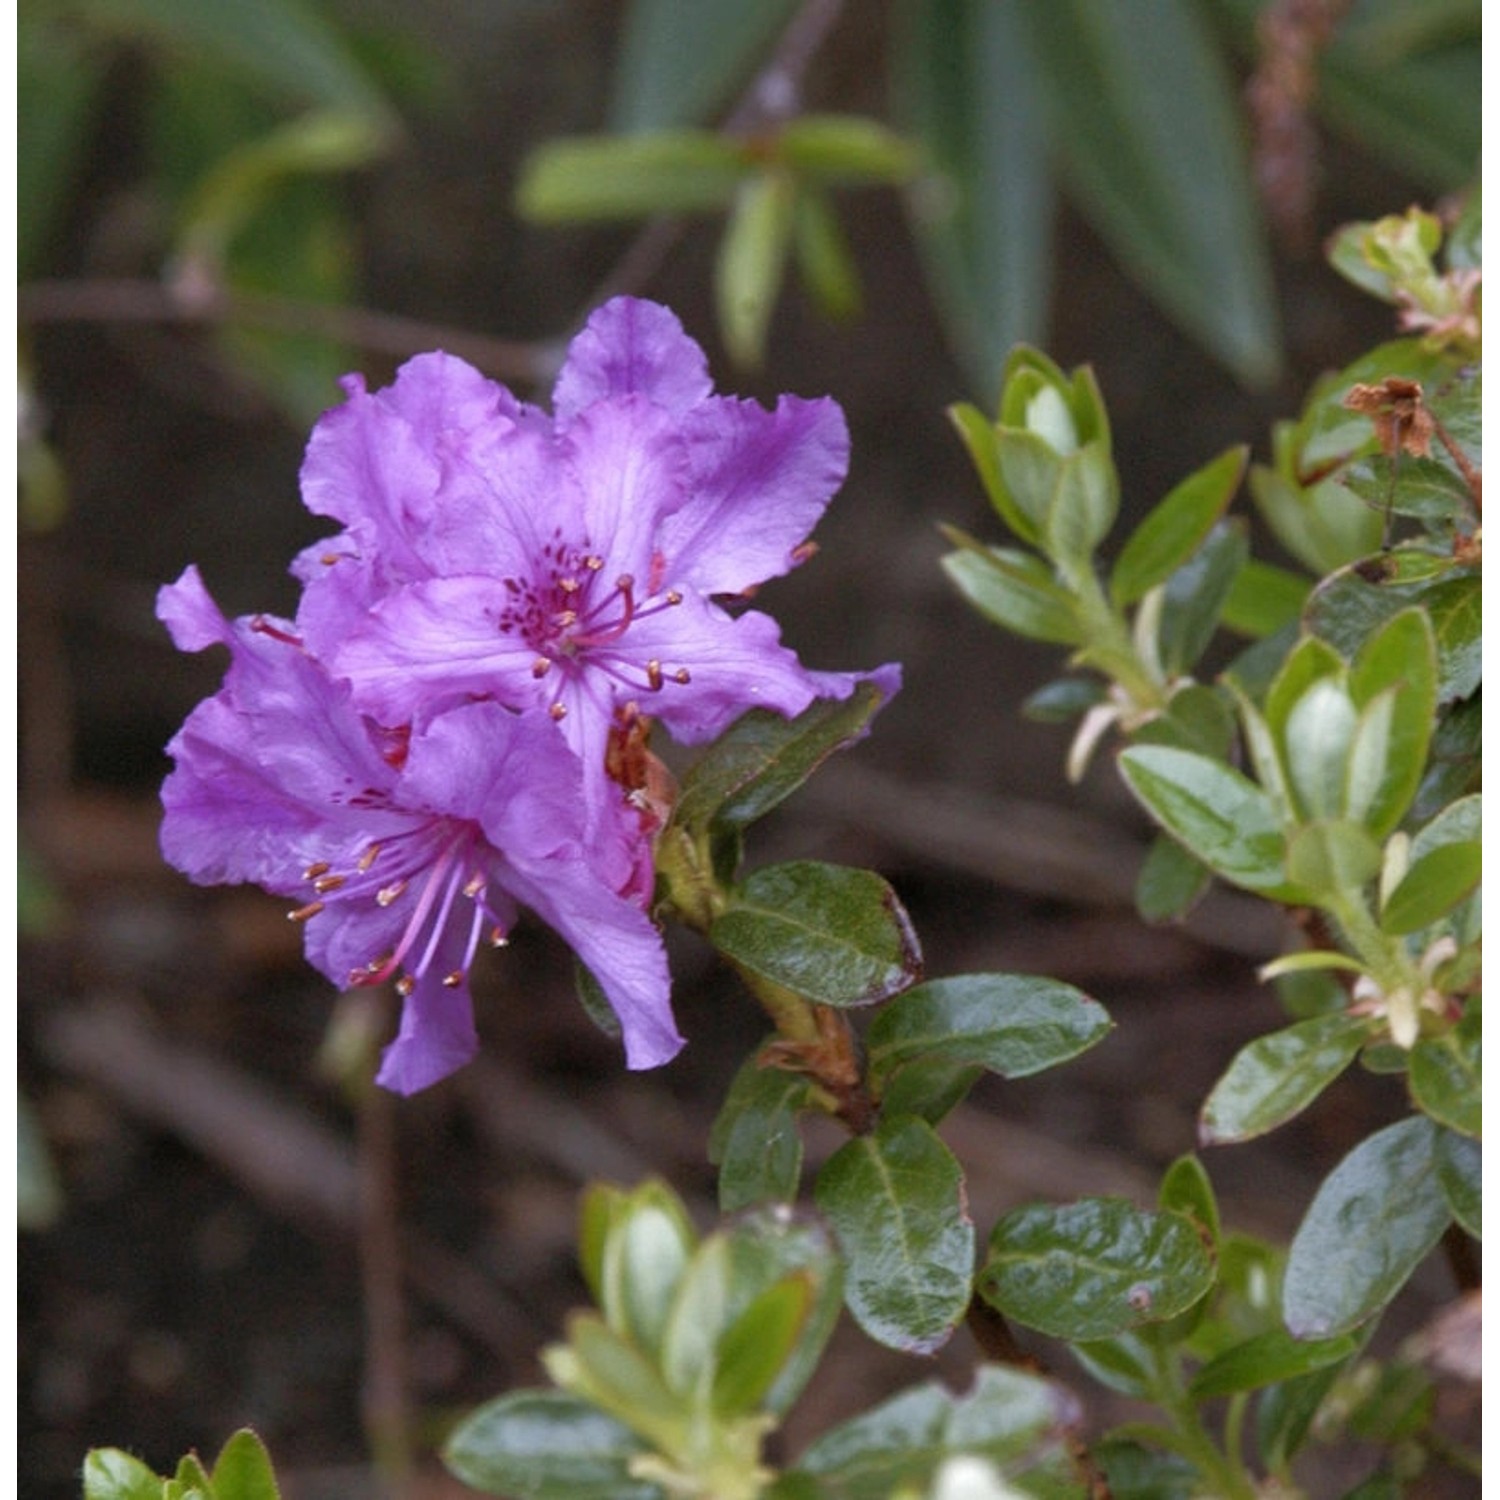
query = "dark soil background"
{"x": 212, "y": 1265}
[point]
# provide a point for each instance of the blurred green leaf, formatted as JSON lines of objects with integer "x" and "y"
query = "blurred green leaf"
{"x": 109, "y": 1474}
{"x": 895, "y": 1199}
{"x": 1373, "y": 1220}
{"x": 1267, "y": 1359}
{"x": 1145, "y": 121}
{"x": 1011, "y": 1024}
{"x": 835, "y": 935}
{"x": 844, "y": 150}
{"x": 1195, "y": 595}
{"x": 1264, "y": 599}
{"x": 243, "y": 1471}
{"x": 965, "y": 87}
{"x": 825, "y": 263}
{"x": 586, "y": 178}
{"x": 757, "y": 1344}
{"x": 755, "y": 1142}
{"x": 1331, "y": 855}
{"x": 39, "y": 1198}
{"x": 1007, "y": 1417}
{"x": 1459, "y": 1163}
{"x": 1095, "y": 1268}
{"x": 1433, "y": 885}
{"x": 1174, "y": 529}
{"x": 1446, "y": 1073}
{"x": 1134, "y": 1472}
{"x": 1278, "y": 1075}
{"x": 680, "y": 60}
{"x": 544, "y": 1445}
{"x": 1284, "y": 1414}
{"x": 752, "y": 260}
{"x": 1170, "y": 881}
{"x": 1187, "y": 1189}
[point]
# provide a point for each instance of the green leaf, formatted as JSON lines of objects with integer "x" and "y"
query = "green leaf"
{"x": 243, "y": 1470}
{"x": 1322, "y": 525}
{"x": 1170, "y": 882}
{"x": 1195, "y": 596}
{"x": 1220, "y": 816}
{"x": 648, "y": 1253}
{"x": 1015, "y": 591}
{"x": 763, "y": 757}
{"x": 611, "y": 1373}
{"x": 1332, "y": 855}
{"x": 1186, "y": 1189}
{"x": 843, "y": 150}
{"x": 1134, "y": 1472}
{"x": 546, "y": 1445}
{"x": 752, "y": 260}
{"x": 755, "y": 1142}
{"x": 1284, "y": 1414}
{"x": 680, "y": 60}
{"x": 1094, "y": 1268}
{"x": 1275, "y": 1077}
{"x": 1446, "y": 1075}
{"x": 895, "y": 1199}
{"x": 1082, "y": 507}
{"x": 834, "y": 935}
{"x": 1012, "y": 1024}
{"x": 1176, "y": 527}
{"x": 1008, "y": 1417}
{"x": 1433, "y": 885}
{"x": 1267, "y": 1359}
{"x": 608, "y": 177}
{"x": 1264, "y": 599}
{"x": 1318, "y": 735}
{"x": 1146, "y": 121}
{"x": 1372, "y": 1222}
{"x": 1195, "y": 718}
{"x": 1459, "y": 1160}
{"x": 109, "y": 1474}
{"x": 756, "y": 1346}
{"x": 929, "y": 1087}
{"x": 698, "y": 1316}
{"x": 981, "y": 441}
{"x": 965, "y": 89}
{"x": 1128, "y": 1363}
{"x": 825, "y": 263}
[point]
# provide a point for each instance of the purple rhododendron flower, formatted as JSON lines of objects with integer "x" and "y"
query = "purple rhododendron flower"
{"x": 404, "y": 848}
{"x": 571, "y": 563}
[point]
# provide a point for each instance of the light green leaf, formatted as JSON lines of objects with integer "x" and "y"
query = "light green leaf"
{"x": 757, "y": 1345}
{"x": 825, "y": 263}
{"x": 1264, "y": 599}
{"x": 1373, "y": 1220}
{"x": 1014, "y": 590}
{"x": 545, "y": 1445}
{"x": 1332, "y": 855}
{"x": 837, "y": 936}
{"x": 1093, "y": 1269}
{"x": 752, "y": 260}
{"x": 1275, "y": 1077}
{"x": 109, "y": 1474}
{"x": 1433, "y": 885}
{"x": 243, "y": 1471}
{"x": 895, "y": 1199}
{"x": 845, "y": 150}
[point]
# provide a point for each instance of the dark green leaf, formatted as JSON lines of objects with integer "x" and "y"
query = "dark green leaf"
{"x": 1446, "y": 1074}
{"x": 1011, "y": 1024}
{"x": 1424, "y": 488}
{"x": 1135, "y": 1472}
{"x": 895, "y": 1199}
{"x": 1458, "y": 1167}
{"x": 1170, "y": 882}
{"x": 1195, "y": 718}
{"x": 595, "y": 1002}
{"x": 1373, "y": 1220}
{"x": 1276, "y": 1076}
{"x": 1127, "y": 1363}
{"x": 1146, "y": 121}
{"x": 1174, "y": 530}
{"x": 1095, "y": 1268}
{"x": 1015, "y": 591}
{"x": 752, "y": 260}
{"x": 1267, "y": 1359}
{"x": 1195, "y": 597}
{"x": 546, "y": 1445}
{"x": 109, "y": 1474}
{"x": 763, "y": 757}
{"x": 1221, "y": 817}
{"x": 929, "y": 1087}
{"x": 755, "y": 1142}
{"x": 681, "y": 60}
{"x": 243, "y": 1470}
{"x": 1063, "y": 700}
{"x": 965, "y": 89}
{"x": 610, "y": 177}
{"x": 1284, "y": 1414}
{"x": 1264, "y": 599}
{"x": 1186, "y": 1189}
{"x": 1432, "y": 886}
{"x": 1007, "y": 1417}
{"x": 834, "y": 935}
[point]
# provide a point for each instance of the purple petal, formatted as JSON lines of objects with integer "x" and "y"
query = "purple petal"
{"x": 761, "y": 481}
{"x": 436, "y": 1036}
{"x": 188, "y": 611}
{"x": 631, "y": 347}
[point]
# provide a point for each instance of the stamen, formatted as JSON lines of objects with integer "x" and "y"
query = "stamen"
{"x": 558, "y": 712}
{"x": 475, "y": 886}
{"x": 682, "y": 677}
{"x": 453, "y": 980}
{"x": 386, "y": 894}
{"x": 262, "y": 626}
{"x": 318, "y": 867}
{"x": 653, "y": 676}
{"x": 541, "y": 666}
{"x": 368, "y": 858}
{"x": 325, "y": 883}
{"x": 673, "y": 596}
{"x": 405, "y": 985}
{"x": 303, "y": 913}
{"x": 498, "y": 938}
{"x": 593, "y": 562}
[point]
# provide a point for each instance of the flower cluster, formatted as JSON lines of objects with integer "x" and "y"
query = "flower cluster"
{"x": 449, "y": 729}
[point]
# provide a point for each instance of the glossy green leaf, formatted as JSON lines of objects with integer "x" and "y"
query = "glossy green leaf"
{"x": 1011, "y": 1024}
{"x": 1170, "y": 881}
{"x": 929, "y": 1087}
{"x": 1145, "y": 119}
{"x": 1186, "y": 1189}
{"x": 755, "y": 1142}
{"x": 896, "y": 1201}
{"x": 752, "y": 261}
{"x": 1267, "y": 1359}
{"x": 109, "y": 1474}
{"x": 1264, "y": 599}
{"x": 1014, "y": 590}
{"x": 1195, "y": 595}
{"x": 982, "y": 214}
{"x": 1332, "y": 855}
{"x": 1220, "y": 816}
{"x": 835, "y": 935}
{"x": 1459, "y": 1162}
{"x": 243, "y": 1471}
{"x": 681, "y": 60}
{"x": 1433, "y": 885}
{"x": 1094, "y": 1268}
{"x": 570, "y": 180}
{"x": 1007, "y": 1417}
{"x": 1276, "y": 1076}
{"x": 1373, "y": 1220}
{"x": 1317, "y": 737}
{"x": 763, "y": 757}
{"x": 546, "y": 1445}
{"x": 1176, "y": 527}
{"x": 1446, "y": 1075}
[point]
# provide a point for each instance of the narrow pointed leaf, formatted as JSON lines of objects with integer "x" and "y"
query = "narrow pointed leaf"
{"x": 1459, "y": 1163}
{"x": 1433, "y": 885}
{"x": 1374, "y": 1219}
{"x": 756, "y": 1345}
{"x": 752, "y": 261}
{"x": 1268, "y": 1359}
{"x": 835, "y": 935}
{"x": 896, "y": 1201}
